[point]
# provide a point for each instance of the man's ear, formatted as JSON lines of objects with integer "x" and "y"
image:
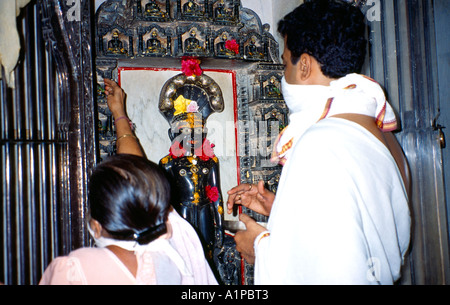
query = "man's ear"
{"x": 305, "y": 66}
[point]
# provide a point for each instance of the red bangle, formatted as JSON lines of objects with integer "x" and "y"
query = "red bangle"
{"x": 124, "y": 117}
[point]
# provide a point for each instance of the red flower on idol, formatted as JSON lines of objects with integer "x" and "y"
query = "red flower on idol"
{"x": 232, "y": 45}
{"x": 212, "y": 193}
{"x": 191, "y": 66}
{"x": 205, "y": 152}
{"x": 176, "y": 151}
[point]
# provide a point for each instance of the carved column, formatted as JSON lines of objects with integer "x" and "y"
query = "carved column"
{"x": 67, "y": 32}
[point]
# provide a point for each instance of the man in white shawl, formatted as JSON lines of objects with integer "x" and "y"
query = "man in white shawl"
{"x": 340, "y": 215}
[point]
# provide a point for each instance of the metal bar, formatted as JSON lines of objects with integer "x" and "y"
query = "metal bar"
{"x": 7, "y": 253}
{"x": 4, "y": 108}
{"x": 56, "y": 225}
{"x": 37, "y": 214}
{"x": 30, "y": 235}
{"x": 39, "y": 52}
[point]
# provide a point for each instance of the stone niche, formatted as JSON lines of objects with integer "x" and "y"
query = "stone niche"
{"x": 141, "y": 44}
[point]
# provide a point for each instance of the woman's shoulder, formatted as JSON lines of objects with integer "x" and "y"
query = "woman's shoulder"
{"x": 82, "y": 253}
{"x": 68, "y": 269}
{"x": 80, "y": 267}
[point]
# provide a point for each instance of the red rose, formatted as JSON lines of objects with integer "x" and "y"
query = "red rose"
{"x": 212, "y": 193}
{"x": 232, "y": 45}
{"x": 191, "y": 66}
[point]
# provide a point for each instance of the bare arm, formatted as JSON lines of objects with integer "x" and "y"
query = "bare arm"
{"x": 127, "y": 142}
{"x": 399, "y": 156}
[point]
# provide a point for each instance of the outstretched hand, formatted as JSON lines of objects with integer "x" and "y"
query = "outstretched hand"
{"x": 254, "y": 197}
{"x": 126, "y": 142}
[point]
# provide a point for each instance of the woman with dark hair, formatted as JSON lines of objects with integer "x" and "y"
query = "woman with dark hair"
{"x": 140, "y": 194}
{"x": 139, "y": 238}
{"x": 340, "y": 215}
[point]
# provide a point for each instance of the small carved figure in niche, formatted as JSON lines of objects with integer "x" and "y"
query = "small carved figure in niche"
{"x": 272, "y": 90}
{"x": 153, "y": 9}
{"x": 252, "y": 50}
{"x": 154, "y": 45}
{"x": 100, "y": 91}
{"x": 273, "y": 125}
{"x": 193, "y": 167}
{"x": 115, "y": 45}
{"x": 221, "y": 47}
{"x": 221, "y": 13}
{"x": 272, "y": 184}
{"x": 192, "y": 44}
{"x": 191, "y": 8}
{"x": 228, "y": 260}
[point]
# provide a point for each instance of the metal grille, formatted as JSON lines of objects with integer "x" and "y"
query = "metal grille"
{"x": 403, "y": 60}
{"x": 30, "y": 148}
{"x": 47, "y": 140}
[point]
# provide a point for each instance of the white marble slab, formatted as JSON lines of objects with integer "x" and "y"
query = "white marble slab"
{"x": 143, "y": 87}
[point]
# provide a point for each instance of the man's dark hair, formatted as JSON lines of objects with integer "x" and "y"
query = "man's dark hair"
{"x": 331, "y": 31}
{"x": 130, "y": 197}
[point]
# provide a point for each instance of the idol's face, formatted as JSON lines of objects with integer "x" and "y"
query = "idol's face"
{"x": 190, "y": 132}
{"x": 191, "y": 137}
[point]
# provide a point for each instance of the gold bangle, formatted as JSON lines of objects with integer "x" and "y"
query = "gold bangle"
{"x": 125, "y": 136}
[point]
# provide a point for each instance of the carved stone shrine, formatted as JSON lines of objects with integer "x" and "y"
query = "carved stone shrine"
{"x": 141, "y": 44}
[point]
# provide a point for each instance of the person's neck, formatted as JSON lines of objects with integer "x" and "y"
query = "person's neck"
{"x": 128, "y": 258}
{"x": 318, "y": 78}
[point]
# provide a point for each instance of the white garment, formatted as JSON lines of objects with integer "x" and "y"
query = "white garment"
{"x": 146, "y": 255}
{"x": 341, "y": 214}
{"x": 179, "y": 260}
{"x": 309, "y": 104}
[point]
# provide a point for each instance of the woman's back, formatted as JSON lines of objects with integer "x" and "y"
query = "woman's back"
{"x": 174, "y": 261}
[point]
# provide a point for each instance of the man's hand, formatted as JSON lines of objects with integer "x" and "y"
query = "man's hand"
{"x": 255, "y": 197}
{"x": 245, "y": 239}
